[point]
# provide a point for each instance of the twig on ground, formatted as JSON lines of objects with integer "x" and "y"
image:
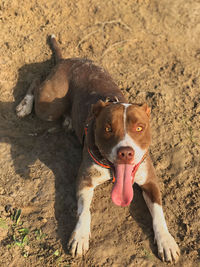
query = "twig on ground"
{"x": 103, "y": 24}
{"x": 116, "y": 44}
{"x": 86, "y": 37}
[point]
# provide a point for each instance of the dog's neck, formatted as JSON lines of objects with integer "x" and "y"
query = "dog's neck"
{"x": 92, "y": 147}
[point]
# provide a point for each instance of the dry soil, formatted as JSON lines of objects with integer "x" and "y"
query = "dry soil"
{"x": 152, "y": 50}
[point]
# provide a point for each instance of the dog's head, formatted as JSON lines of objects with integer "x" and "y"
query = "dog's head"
{"x": 122, "y": 135}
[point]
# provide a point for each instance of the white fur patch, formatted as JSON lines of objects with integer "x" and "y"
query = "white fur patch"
{"x": 126, "y": 105}
{"x": 79, "y": 242}
{"x": 168, "y": 250}
{"x": 141, "y": 174}
{"x": 93, "y": 93}
{"x": 25, "y": 106}
{"x": 125, "y": 111}
{"x": 128, "y": 141}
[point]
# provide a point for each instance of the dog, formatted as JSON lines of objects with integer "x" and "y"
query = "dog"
{"x": 115, "y": 136}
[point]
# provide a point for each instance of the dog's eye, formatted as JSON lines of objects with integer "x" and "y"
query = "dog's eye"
{"x": 108, "y": 129}
{"x": 139, "y": 128}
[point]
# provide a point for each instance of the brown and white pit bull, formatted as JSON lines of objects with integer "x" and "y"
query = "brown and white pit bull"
{"x": 115, "y": 135}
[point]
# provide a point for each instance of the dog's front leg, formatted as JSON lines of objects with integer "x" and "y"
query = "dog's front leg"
{"x": 79, "y": 241}
{"x": 168, "y": 250}
{"x": 90, "y": 175}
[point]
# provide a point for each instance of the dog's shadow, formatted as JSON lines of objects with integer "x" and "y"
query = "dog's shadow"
{"x": 32, "y": 139}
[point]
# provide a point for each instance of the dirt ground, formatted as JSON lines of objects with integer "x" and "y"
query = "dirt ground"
{"x": 152, "y": 50}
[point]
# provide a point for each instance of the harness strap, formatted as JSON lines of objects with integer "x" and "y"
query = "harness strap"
{"x": 97, "y": 162}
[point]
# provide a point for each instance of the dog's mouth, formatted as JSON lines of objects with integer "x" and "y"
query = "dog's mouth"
{"x": 122, "y": 192}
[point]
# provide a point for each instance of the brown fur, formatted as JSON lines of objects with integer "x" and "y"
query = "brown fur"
{"x": 110, "y": 116}
{"x": 88, "y": 84}
{"x": 137, "y": 117}
{"x": 151, "y": 186}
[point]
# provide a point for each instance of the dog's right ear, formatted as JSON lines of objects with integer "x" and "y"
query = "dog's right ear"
{"x": 96, "y": 108}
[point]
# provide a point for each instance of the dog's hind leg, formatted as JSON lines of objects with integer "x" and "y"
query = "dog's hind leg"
{"x": 26, "y": 105}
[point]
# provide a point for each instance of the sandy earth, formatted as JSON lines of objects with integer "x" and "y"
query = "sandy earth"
{"x": 152, "y": 50}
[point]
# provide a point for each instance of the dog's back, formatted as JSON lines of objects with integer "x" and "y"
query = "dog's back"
{"x": 81, "y": 84}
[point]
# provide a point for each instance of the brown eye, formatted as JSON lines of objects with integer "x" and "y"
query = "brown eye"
{"x": 139, "y": 129}
{"x": 108, "y": 129}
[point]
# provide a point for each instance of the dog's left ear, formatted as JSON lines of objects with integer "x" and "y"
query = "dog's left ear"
{"x": 97, "y": 108}
{"x": 147, "y": 109}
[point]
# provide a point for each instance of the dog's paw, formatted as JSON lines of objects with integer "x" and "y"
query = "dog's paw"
{"x": 168, "y": 250}
{"x": 79, "y": 242}
{"x": 25, "y": 106}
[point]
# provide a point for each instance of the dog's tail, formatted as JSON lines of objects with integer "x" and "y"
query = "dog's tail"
{"x": 55, "y": 48}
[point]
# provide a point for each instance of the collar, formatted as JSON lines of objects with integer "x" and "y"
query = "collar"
{"x": 92, "y": 154}
{"x": 98, "y": 162}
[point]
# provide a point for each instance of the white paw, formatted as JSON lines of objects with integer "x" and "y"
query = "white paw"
{"x": 79, "y": 241}
{"x": 25, "y": 106}
{"x": 168, "y": 250}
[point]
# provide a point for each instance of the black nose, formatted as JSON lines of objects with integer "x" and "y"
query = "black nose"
{"x": 125, "y": 155}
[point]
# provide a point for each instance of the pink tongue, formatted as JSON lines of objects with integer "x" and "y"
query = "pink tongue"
{"x": 122, "y": 193}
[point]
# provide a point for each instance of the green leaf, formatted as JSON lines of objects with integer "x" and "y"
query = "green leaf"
{"x": 39, "y": 234}
{"x": 18, "y": 243}
{"x": 25, "y": 240}
{"x": 23, "y": 231}
{"x": 17, "y": 216}
{"x": 56, "y": 253}
{"x": 25, "y": 254}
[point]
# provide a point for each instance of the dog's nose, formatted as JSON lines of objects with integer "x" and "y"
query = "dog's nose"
{"x": 125, "y": 155}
